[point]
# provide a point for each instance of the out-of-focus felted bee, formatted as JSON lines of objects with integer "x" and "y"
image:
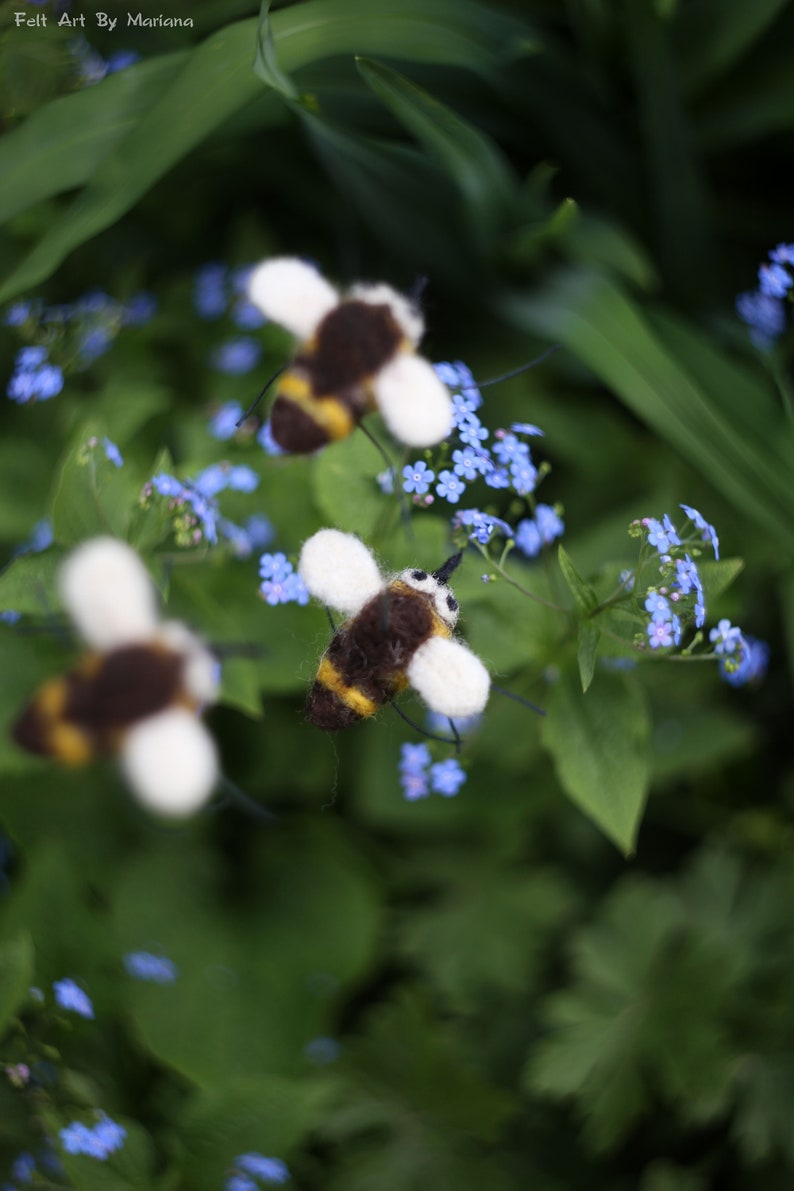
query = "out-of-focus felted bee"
{"x": 136, "y": 693}
{"x": 357, "y": 353}
{"x": 399, "y": 634}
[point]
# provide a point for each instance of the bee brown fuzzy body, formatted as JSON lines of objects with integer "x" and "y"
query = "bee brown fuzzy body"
{"x": 84, "y": 712}
{"x": 326, "y": 390}
{"x": 364, "y": 666}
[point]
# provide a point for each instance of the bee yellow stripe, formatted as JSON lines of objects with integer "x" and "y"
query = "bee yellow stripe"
{"x": 329, "y": 413}
{"x": 328, "y": 676}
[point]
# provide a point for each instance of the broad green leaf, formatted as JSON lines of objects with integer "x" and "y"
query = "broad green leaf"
{"x": 241, "y": 1006}
{"x": 25, "y": 470}
{"x": 600, "y": 746}
{"x": 589, "y": 637}
{"x": 91, "y": 497}
{"x": 16, "y": 976}
{"x": 601, "y": 325}
{"x": 28, "y": 584}
{"x": 472, "y": 160}
{"x": 717, "y": 576}
{"x": 582, "y": 592}
{"x": 267, "y": 1115}
{"x": 61, "y": 145}
{"x": 346, "y": 489}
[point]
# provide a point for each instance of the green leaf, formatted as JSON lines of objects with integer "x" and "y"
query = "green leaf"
{"x": 28, "y": 584}
{"x": 25, "y": 472}
{"x": 61, "y": 145}
{"x": 717, "y": 576}
{"x": 512, "y": 915}
{"x": 583, "y": 593}
{"x": 715, "y": 34}
{"x": 627, "y": 1030}
{"x": 266, "y": 62}
{"x": 92, "y": 497}
{"x": 748, "y": 460}
{"x": 16, "y": 976}
{"x": 600, "y": 746}
{"x": 268, "y": 1115}
{"x": 589, "y": 637}
{"x": 241, "y": 1007}
{"x": 345, "y": 488}
{"x": 472, "y": 160}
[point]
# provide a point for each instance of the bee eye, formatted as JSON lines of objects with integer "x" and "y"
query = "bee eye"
{"x": 419, "y": 575}
{"x": 452, "y": 603}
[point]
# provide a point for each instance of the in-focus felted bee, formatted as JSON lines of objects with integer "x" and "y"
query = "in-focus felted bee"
{"x": 136, "y": 693}
{"x": 399, "y": 634}
{"x": 357, "y": 353}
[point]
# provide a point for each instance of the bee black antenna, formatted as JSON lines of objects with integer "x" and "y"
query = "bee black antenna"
{"x": 443, "y": 573}
{"x": 456, "y": 741}
{"x": 247, "y": 415}
{"x": 330, "y": 616}
{"x": 500, "y": 690}
{"x": 497, "y": 380}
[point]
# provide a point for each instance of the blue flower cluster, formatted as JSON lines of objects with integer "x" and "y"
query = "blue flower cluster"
{"x": 506, "y": 464}
{"x": 41, "y": 538}
{"x": 218, "y": 291}
{"x": 69, "y": 995}
{"x": 34, "y": 378}
{"x": 764, "y": 308}
{"x": 144, "y": 965}
{"x": 418, "y": 776}
{"x": 533, "y": 533}
{"x": 86, "y": 328}
{"x": 679, "y": 598}
{"x": 98, "y": 1142}
{"x": 280, "y": 583}
{"x": 250, "y": 1167}
{"x": 197, "y": 517}
{"x": 25, "y": 1166}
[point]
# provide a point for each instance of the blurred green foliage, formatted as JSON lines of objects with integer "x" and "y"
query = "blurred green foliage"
{"x": 513, "y": 1002}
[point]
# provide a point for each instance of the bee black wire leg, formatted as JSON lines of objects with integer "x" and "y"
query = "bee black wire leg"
{"x": 500, "y": 690}
{"x": 430, "y": 735}
{"x": 330, "y": 616}
{"x": 453, "y": 729}
{"x": 252, "y": 409}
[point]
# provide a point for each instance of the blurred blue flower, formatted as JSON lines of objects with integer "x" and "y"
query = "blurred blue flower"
{"x": 458, "y": 376}
{"x": 235, "y": 357}
{"x": 93, "y": 343}
{"x": 446, "y": 777}
{"x": 322, "y": 1050}
{"x": 267, "y": 442}
{"x": 748, "y": 665}
{"x": 112, "y": 453}
{"x": 70, "y": 996}
{"x": 414, "y": 760}
{"x": 121, "y": 59}
{"x": 774, "y": 280}
{"x": 18, "y": 313}
{"x": 210, "y": 288}
{"x": 783, "y": 254}
{"x": 143, "y": 965}
{"x": 268, "y": 1170}
{"x": 10, "y": 616}
{"x": 100, "y": 1142}
{"x": 482, "y": 525}
{"x": 223, "y": 424}
{"x": 34, "y": 377}
{"x": 526, "y": 428}
{"x": 139, "y": 309}
{"x": 528, "y": 539}
{"x": 764, "y": 315}
{"x": 24, "y": 1167}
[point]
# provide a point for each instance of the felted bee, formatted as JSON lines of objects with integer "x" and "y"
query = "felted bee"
{"x": 399, "y": 634}
{"x": 136, "y": 693}
{"x": 357, "y": 353}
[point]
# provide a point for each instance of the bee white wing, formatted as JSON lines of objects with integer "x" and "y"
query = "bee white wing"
{"x": 292, "y": 293}
{"x": 415, "y": 404}
{"x": 339, "y": 570}
{"x": 170, "y": 762}
{"x": 449, "y": 677}
{"x": 107, "y": 591}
